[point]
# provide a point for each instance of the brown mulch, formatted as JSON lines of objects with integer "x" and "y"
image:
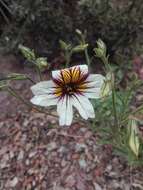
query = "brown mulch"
{"x": 37, "y": 154}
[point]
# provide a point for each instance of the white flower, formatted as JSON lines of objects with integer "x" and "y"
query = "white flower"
{"x": 71, "y": 87}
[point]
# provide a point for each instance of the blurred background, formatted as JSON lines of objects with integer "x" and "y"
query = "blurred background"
{"x": 39, "y": 24}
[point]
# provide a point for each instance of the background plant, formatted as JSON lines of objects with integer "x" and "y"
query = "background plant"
{"x": 115, "y": 121}
{"x": 40, "y": 24}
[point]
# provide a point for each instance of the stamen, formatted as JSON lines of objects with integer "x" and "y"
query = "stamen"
{"x": 70, "y": 81}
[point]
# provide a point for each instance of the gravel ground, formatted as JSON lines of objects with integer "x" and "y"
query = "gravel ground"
{"x": 37, "y": 154}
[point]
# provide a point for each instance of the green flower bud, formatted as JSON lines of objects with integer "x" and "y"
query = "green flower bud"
{"x": 134, "y": 142}
{"x": 65, "y": 46}
{"x": 78, "y": 32}
{"x": 79, "y": 48}
{"x": 41, "y": 62}
{"x": 101, "y": 44}
{"x": 106, "y": 88}
{"x": 101, "y": 48}
{"x": 98, "y": 52}
{"x": 27, "y": 53}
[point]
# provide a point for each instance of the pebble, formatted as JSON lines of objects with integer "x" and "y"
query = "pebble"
{"x": 27, "y": 162}
{"x": 80, "y": 147}
{"x": 63, "y": 163}
{"x": 62, "y": 149}
{"x": 70, "y": 181}
{"x": 108, "y": 168}
{"x": 11, "y": 154}
{"x": 33, "y": 153}
{"x": 82, "y": 163}
{"x": 20, "y": 155}
{"x": 13, "y": 182}
{"x": 75, "y": 156}
{"x": 51, "y": 146}
{"x": 88, "y": 134}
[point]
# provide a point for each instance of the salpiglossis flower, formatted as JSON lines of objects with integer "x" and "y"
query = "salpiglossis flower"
{"x": 70, "y": 87}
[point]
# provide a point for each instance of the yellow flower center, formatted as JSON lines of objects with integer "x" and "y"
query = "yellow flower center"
{"x": 70, "y": 81}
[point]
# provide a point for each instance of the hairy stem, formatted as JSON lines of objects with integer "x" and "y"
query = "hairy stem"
{"x": 114, "y": 106}
{"x": 16, "y": 95}
{"x": 39, "y": 73}
{"x": 87, "y": 57}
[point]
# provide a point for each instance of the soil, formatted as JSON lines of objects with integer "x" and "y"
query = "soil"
{"x": 37, "y": 154}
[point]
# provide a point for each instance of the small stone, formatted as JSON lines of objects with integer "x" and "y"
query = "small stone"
{"x": 108, "y": 168}
{"x": 51, "y": 146}
{"x": 88, "y": 134}
{"x": 32, "y": 154}
{"x": 89, "y": 156}
{"x": 62, "y": 149}
{"x": 80, "y": 147}
{"x": 82, "y": 163}
{"x": 63, "y": 163}
{"x": 3, "y": 150}
{"x": 27, "y": 162}
{"x": 11, "y": 154}
{"x": 97, "y": 186}
{"x": 25, "y": 123}
{"x": 13, "y": 182}
{"x": 75, "y": 156}
{"x": 70, "y": 181}
{"x": 82, "y": 129}
{"x": 20, "y": 155}
{"x": 33, "y": 183}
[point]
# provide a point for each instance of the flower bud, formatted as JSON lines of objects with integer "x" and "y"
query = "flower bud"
{"x": 101, "y": 48}
{"x": 64, "y": 45}
{"x": 78, "y": 32}
{"x": 101, "y": 44}
{"x": 80, "y": 48}
{"x": 27, "y": 53}
{"x": 41, "y": 62}
{"x": 107, "y": 85}
{"x": 134, "y": 142}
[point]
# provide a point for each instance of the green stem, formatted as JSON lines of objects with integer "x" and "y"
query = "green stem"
{"x": 87, "y": 57}
{"x": 30, "y": 79}
{"x": 109, "y": 69}
{"x": 68, "y": 55}
{"x": 85, "y": 51}
{"x": 39, "y": 73}
{"x": 16, "y": 95}
{"x": 106, "y": 64}
{"x": 114, "y": 106}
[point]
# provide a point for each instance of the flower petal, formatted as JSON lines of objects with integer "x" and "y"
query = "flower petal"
{"x": 94, "y": 83}
{"x": 95, "y": 78}
{"x": 44, "y": 100}
{"x": 83, "y": 68}
{"x": 84, "y": 106}
{"x": 44, "y": 87}
{"x": 57, "y": 73}
{"x": 65, "y": 111}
